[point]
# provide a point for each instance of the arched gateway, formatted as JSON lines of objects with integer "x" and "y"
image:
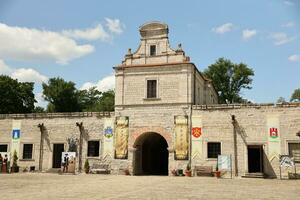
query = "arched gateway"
{"x": 151, "y": 155}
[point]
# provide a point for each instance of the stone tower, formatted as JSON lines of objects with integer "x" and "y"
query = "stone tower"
{"x": 155, "y": 89}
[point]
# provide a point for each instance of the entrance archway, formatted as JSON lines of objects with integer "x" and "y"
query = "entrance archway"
{"x": 151, "y": 155}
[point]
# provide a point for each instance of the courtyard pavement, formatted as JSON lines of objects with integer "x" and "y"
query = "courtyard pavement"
{"x": 42, "y": 186}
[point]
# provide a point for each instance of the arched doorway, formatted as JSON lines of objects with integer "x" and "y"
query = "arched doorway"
{"x": 151, "y": 155}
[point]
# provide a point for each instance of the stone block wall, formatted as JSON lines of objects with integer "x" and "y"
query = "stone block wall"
{"x": 58, "y": 127}
{"x": 253, "y": 129}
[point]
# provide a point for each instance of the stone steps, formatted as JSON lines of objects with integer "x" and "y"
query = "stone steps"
{"x": 254, "y": 175}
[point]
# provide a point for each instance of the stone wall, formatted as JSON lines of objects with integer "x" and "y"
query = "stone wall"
{"x": 158, "y": 119}
{"x": 174, "y": 83}
{"x": 58, "y": 127}
{"x": 252, "y": 128}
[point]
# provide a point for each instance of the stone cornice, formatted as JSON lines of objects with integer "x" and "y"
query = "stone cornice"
{"x": 239, "y": 106}
{"x": 56, "y": 115}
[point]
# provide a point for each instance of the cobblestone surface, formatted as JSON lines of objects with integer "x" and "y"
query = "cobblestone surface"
{"x": 53, "y": 186}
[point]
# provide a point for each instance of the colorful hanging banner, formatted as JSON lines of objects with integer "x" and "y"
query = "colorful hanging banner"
{"x": 121, "y": 137}
{"x": 108, "y": 142}
{"x": 15, "y": 139}
{"x": 273, "y": 136}
{"x": 181, "y": 137}
{"x": 197, "y": 135}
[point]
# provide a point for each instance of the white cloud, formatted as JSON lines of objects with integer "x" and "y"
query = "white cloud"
{"x": 22, "y": 74}
{"x": 40, "y": 100}
{"x": 28, "y": 75}
{"x": 223, "y": 28}
{"x": 289, "y": 3}
{"x": 281, "y": 38}
{"x": 4, "y": 69}
{"x": 247, "y": 33}
{"x": 88, "y": 34}
{"x": 102, "y": 85}
{"x": 288, "y": 25}
{"x": 20, "y": 43}
{"x": 114, "y": 25}
{"x": 294, "y": 58}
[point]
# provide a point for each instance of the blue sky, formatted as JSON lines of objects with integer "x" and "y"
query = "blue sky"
{"x": 81, "y": 41}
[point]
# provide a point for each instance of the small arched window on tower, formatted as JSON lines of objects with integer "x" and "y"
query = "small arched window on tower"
{"x": 152, "y": 50}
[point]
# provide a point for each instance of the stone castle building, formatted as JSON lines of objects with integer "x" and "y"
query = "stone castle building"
{"x": 166, "y": 116}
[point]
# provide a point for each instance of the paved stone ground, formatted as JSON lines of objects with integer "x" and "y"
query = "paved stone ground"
{"x": 53, "y": 186}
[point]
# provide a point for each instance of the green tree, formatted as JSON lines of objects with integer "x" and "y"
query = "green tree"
{"x": 281, "y": 100}
{"x": 61, "y": 95}
{"x": 296, "y": 95}
{"x": 229, "y": 79}
{"x": 39, "y": 109}
{"x": 107, "y": 101}
{"x": 16, "y": 97}
{"x": 89, "y": 99}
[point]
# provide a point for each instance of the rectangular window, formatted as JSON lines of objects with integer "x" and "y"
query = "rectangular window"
{"x": 152, "y": 50}
{"x": 151, "y": 88}
{"x": 213, "y": 149}
{"x": 3, "y": 147}
{"x": 27, "y": 151}
{"x": 293, "y": 147}
{"x": 93, "y": 148}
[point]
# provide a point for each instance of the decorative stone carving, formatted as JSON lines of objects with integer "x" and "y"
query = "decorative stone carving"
{"x": 122, "y": 133}
{"x": 181, "y": 137}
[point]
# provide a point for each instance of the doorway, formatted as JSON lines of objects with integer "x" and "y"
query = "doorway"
{"x": 57, "y": 153}
{"x": 255, "y": 159}
{"x": 151, "y": 155}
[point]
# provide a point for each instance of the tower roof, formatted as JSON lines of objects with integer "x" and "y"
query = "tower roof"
{"x": 154, "y": 29}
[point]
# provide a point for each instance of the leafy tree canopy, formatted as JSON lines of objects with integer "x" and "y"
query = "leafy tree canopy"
{"x": 296, "y": 95}
{"x": 89, "y": 98}
{"x": 281, "y": 100}
{"x": 93, "y": 100}
{"x": 16, "y": 97}
{"x": 64, "y": 97}
{"x": 107, "y": 101}
{"x": 61, "y": 95}
{"x": 39, "y": 109}
{"x": 229, "y": 79}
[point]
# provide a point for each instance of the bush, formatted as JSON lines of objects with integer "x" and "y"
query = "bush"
{"x": 86, "y": 166}
{"x": 15, "y": 167}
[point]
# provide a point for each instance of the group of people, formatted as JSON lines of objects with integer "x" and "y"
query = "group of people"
{"x": 3, "y": 164}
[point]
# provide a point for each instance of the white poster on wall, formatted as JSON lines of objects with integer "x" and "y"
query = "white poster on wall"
{"x": 68, "y": 162}
{"x": 224, "y": 162}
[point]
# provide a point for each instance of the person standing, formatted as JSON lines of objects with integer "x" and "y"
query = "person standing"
{"x": 4, "y": 164}
{"x": 66, "y": 163}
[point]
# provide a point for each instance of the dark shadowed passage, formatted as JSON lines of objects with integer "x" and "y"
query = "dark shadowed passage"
{"x": 151, "y": 155}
